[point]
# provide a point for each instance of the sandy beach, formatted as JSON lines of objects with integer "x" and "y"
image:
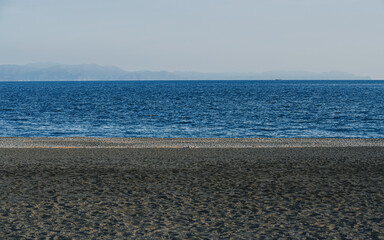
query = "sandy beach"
{"x": 89, "y": 188}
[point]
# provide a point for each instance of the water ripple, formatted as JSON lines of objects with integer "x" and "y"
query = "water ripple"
{"x": 340, "y": 109}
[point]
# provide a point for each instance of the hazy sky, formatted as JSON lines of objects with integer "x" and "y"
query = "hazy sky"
{"x": 197, "y": 35}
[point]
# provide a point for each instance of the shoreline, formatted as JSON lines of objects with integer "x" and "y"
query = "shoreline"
{"x": 92, "y": 142}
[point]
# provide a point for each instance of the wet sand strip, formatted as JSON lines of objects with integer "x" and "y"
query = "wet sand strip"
{"x": 192, "y": 193}
{"x": 83, "y": 142}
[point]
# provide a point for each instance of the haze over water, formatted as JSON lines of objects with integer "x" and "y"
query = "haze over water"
{"x": 279, "y": 109}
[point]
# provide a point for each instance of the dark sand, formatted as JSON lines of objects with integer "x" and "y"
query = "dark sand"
{"x": 192, "y": 193}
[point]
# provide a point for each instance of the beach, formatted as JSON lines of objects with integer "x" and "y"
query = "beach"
{"x": 120, "y": 188}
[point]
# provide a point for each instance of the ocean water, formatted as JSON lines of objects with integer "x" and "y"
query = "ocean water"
{"x": 223, "y": 109}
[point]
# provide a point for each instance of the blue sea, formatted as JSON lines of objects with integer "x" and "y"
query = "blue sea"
{"x": 168, "y": 109}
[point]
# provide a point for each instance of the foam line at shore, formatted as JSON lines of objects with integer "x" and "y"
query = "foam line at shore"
{"x": 85, "y": 142}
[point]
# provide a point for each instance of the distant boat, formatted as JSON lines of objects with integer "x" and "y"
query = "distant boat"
{"x": 278, "y": 79}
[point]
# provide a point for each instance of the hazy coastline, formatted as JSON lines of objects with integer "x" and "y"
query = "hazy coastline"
{"x": 93, "y": 72}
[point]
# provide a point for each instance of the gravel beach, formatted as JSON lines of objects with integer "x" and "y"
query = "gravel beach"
{"x": 85, "y": 188}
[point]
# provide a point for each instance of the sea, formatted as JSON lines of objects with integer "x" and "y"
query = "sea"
{"x": 193, "y": 109}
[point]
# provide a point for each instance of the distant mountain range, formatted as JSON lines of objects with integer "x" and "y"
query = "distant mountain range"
{"x": 60, "y": 72}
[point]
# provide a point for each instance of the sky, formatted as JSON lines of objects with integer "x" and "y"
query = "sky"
{"x": 197, "y": 35}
